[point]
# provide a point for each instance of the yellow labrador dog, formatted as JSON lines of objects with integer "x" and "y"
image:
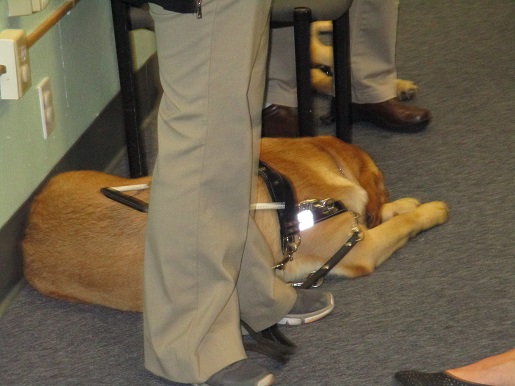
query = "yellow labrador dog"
{"x": 81, "y": 246}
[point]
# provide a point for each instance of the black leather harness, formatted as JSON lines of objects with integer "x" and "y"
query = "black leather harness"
{"x": 280, "y": 190}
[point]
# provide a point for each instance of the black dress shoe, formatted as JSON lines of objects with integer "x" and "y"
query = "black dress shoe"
{"x": 418, "y": 378}
{"x": 280, "y": 121}
{"x": 392, "y": 115}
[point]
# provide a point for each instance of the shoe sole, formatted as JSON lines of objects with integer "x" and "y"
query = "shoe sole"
{"x": 265, "y": 381}
{"x": 358, "y": 116}
{"x": 296, "y": 320}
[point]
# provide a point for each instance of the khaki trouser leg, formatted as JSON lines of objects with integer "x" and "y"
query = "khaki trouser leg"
{"x": 281, "y": 86}
{"x": 373, "y": 36}
{"x": 209, "y": 119}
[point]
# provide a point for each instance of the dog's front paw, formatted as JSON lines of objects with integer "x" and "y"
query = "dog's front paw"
{"x": 406, "y": 90}
{"x": 434, "y": 213}
{"x": 394, "y": 208}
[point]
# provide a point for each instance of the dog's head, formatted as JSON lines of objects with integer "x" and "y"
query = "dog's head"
{"x": 359, "y": 166}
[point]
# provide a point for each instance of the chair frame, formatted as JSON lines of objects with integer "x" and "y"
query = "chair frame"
{"x": 302, "y": 30}
{"x": 302, "y": 19}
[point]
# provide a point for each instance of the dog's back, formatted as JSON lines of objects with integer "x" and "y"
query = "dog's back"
{"x": 82, "y": 246}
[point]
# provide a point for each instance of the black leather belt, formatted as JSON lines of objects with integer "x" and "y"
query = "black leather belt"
{"x": 180, "y": 6}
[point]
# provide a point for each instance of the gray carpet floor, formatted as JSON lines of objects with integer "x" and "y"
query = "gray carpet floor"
{"x": 444, "y": 300}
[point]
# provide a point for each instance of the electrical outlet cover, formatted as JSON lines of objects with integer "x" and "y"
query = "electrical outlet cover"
{"x": 46, "y": 106}
{"x": 20, "y": 7}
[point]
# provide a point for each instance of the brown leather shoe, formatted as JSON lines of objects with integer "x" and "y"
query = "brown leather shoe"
{"x": 280, "y": 121}
{"x": 392, "y": 115}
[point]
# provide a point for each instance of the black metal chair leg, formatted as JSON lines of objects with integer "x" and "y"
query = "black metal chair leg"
{"x": 302, "y": 26}
{"x": 134, "y": 138}
{"x": 341, "y": 47}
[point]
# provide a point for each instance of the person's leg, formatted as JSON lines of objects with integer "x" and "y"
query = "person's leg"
{"x": 373, "y": 37}
{"x": 275, "y": 298}
{"x": 281, "y": 87}
{"x": 264, "y": 298}
{"x": 496, "y": 370}
{"x": 201, "y": 187}
{"x": 280, "y": 117}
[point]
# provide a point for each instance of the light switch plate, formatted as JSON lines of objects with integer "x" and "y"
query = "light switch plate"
{"x": 46, "y": 106}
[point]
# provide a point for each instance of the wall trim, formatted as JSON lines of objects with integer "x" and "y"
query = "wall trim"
{"x": 15, "y": 290}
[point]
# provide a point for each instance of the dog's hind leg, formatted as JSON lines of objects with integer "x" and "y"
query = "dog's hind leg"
{"x": 381, "y": 242}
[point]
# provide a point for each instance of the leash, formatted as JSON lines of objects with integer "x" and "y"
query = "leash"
{"x": 316, "y": 278}
{"x": 271, "y": 341}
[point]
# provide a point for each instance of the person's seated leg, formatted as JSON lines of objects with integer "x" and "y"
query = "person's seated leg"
{"x": 392, "y": 115}
{"x": 280, "y": 117}
{"x": 280, "y": 121}
{"x": 373, "y": 35}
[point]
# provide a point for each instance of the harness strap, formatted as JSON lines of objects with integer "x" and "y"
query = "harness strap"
{"x": 316, "y": 278}
{"x": 125, "y": 199}
{"x": 280, "y": 190}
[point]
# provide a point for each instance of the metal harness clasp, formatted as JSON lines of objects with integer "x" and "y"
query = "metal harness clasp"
{"x": 290, "y": 245}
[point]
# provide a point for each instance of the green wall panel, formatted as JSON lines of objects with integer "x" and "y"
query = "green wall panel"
{"x": 78, "y": 55}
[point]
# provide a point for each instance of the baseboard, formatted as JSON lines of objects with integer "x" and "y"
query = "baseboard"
{"x": 7, "y": 300}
